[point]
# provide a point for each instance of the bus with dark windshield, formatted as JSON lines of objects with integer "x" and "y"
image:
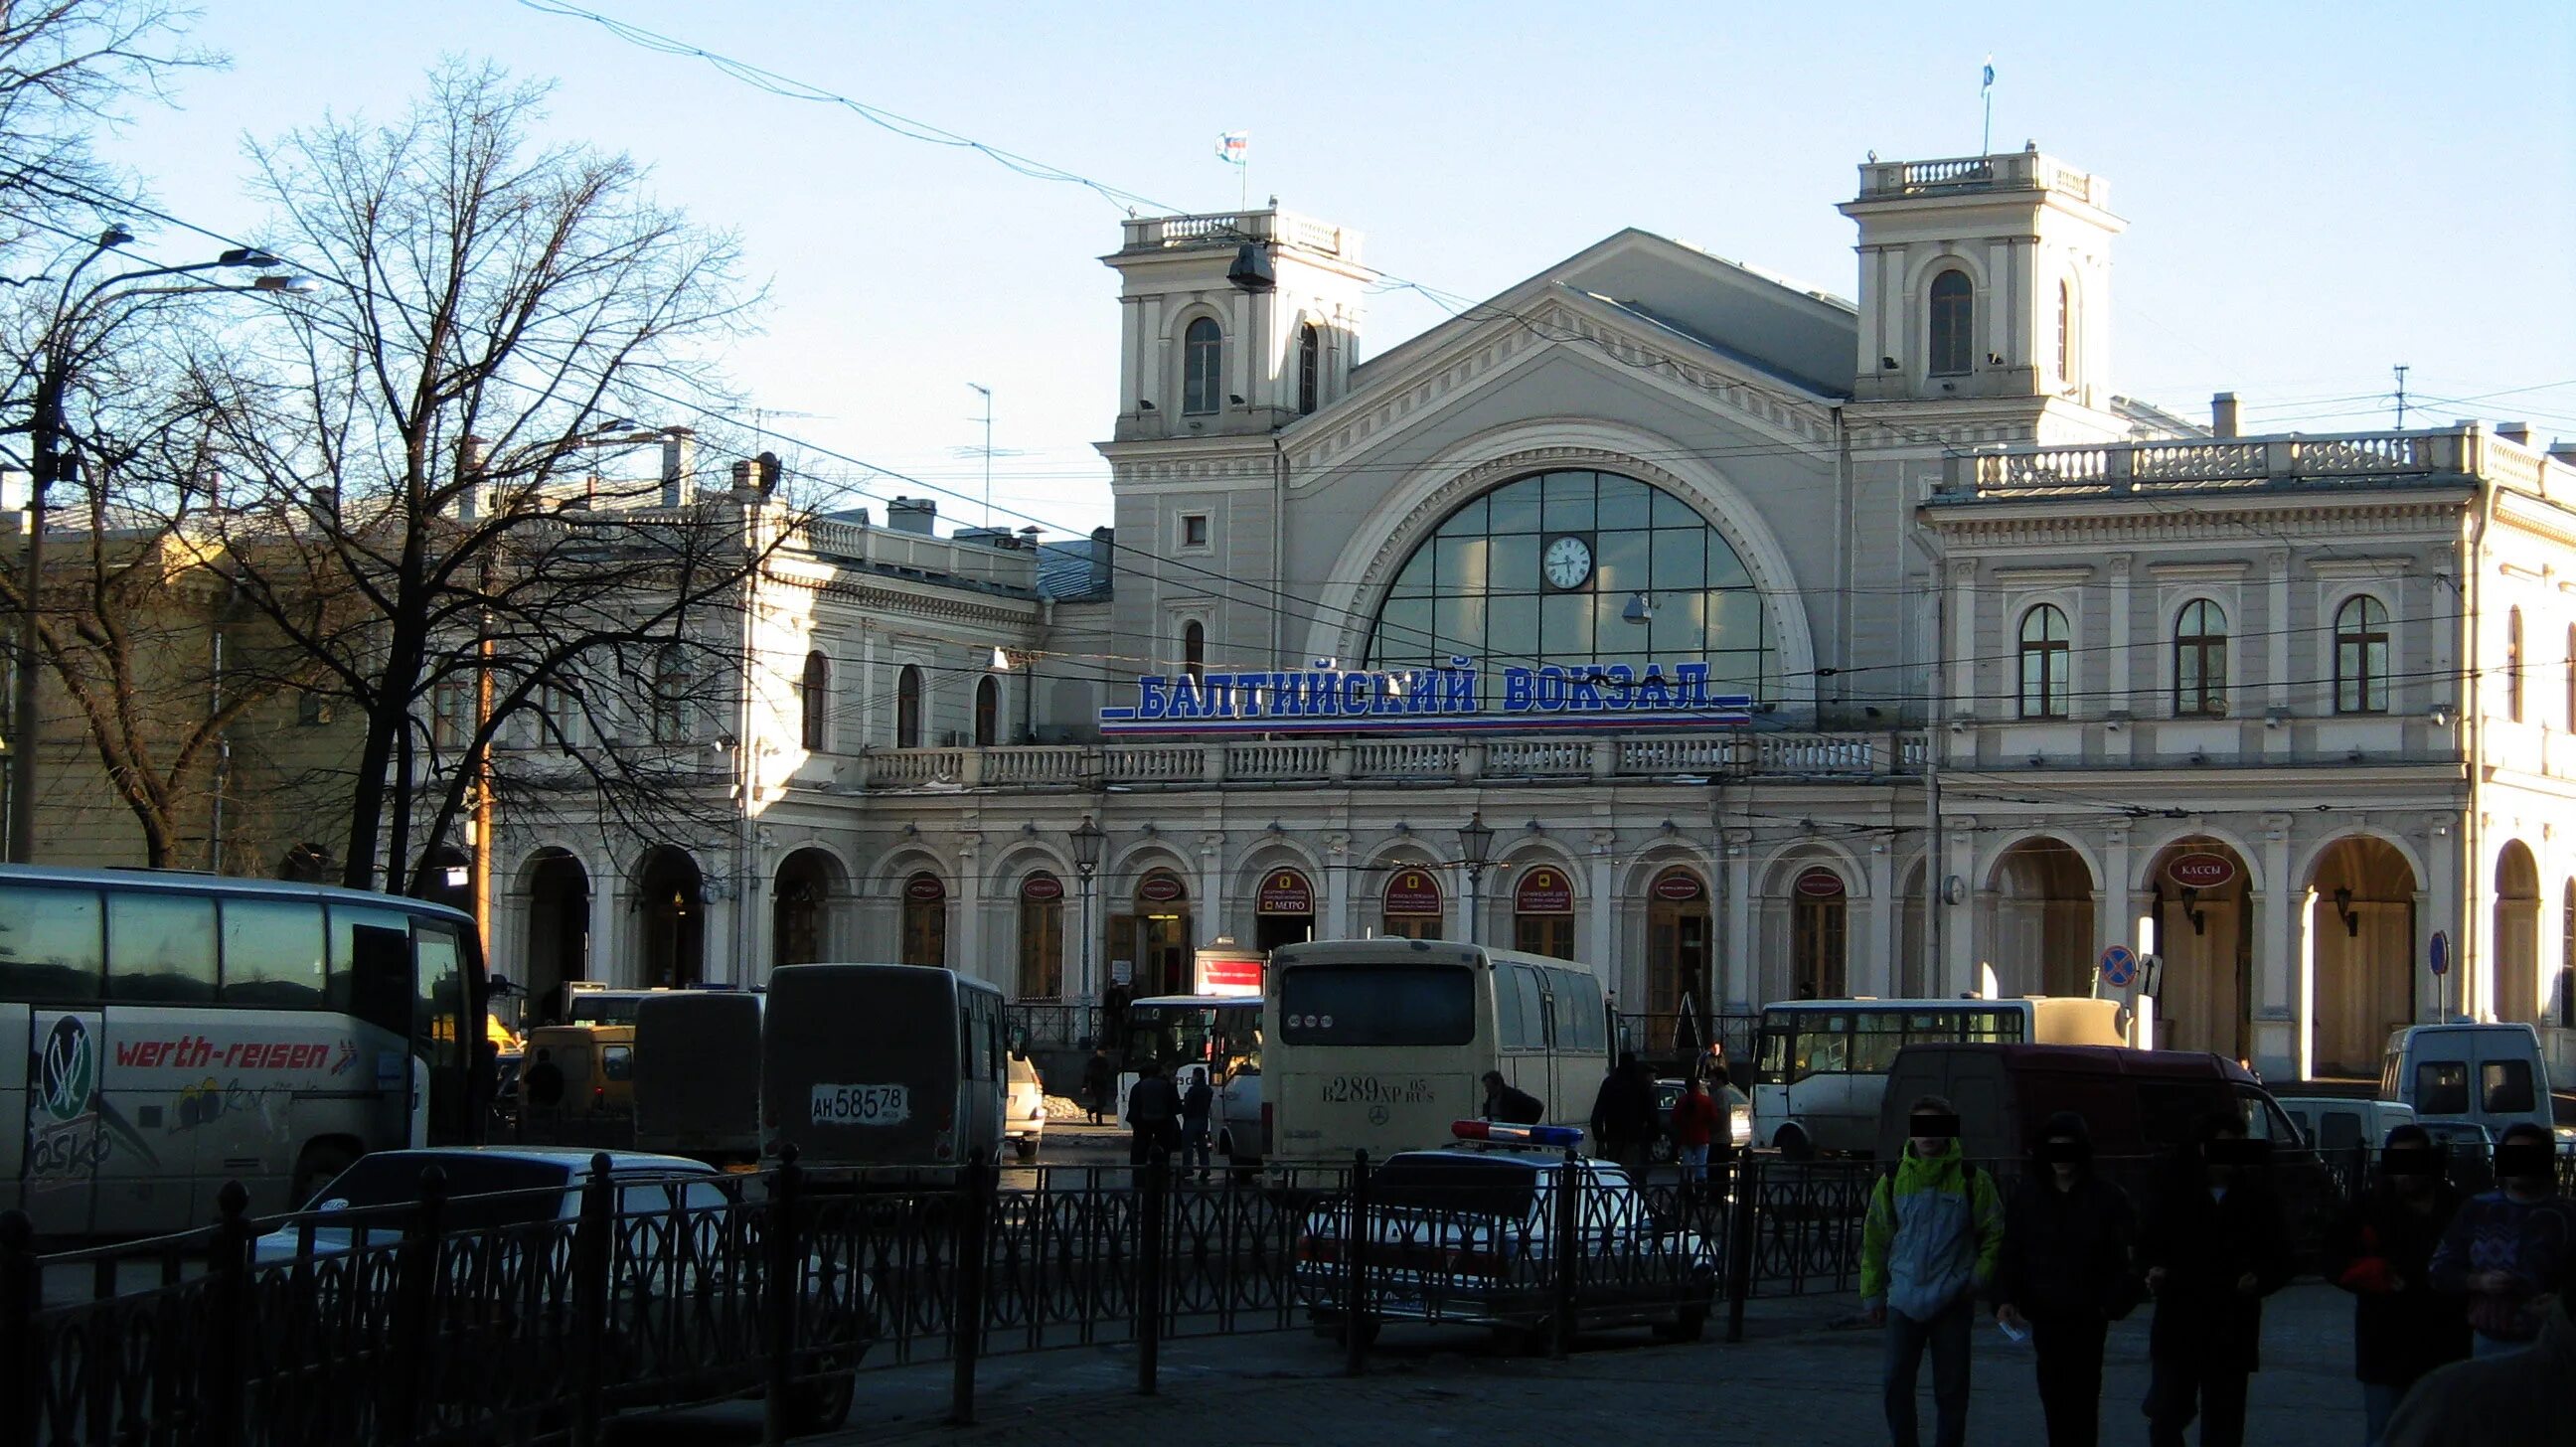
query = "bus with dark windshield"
{"x": 178, "y": 1031}
{"x": 1379, "y": 1045}
{"x": 1220, "y": 1034}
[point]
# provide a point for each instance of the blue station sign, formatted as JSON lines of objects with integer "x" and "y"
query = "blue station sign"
{"x": 1455, "y": 699}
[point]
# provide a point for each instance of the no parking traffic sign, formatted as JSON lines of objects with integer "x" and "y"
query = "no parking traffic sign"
{"x": 2119, "y": 966}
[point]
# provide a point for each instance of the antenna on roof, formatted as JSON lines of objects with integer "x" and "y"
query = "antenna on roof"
{"x": 2401, "y": 397}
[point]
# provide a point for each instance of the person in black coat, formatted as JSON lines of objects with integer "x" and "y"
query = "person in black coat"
{"x": 1505, "y": 1103}
{"x": 1624, "y": 1118}
{"x": 2065, "y": 1275}
{"x": 2382, "y": 1253}
{"x": 2214, "y": 1245}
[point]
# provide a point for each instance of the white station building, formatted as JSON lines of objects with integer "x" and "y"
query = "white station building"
{"x": 1786, "y": 645}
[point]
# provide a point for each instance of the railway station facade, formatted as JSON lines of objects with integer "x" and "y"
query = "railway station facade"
{"x": 1741, "y": 640}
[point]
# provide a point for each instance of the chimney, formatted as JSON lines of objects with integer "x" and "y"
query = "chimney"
{"x": 679, "y": 455}
{"x": 2517, "y": 433}
{"x": 912, "y": 515}
{"x": 2222, "y": 414}
{"x": 1104, "y": 543}
{"x": 741, "y": 474}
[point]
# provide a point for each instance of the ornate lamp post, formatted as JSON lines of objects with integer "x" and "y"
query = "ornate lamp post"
{"x": 1087, "y": 839}
{"x": 1475, "y": 846}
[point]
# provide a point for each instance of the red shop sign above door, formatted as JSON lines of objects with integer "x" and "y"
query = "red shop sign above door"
{"x": 1544, "y": 890}
{"x": 1412, "y": 892}
{"x": 1161, "y": 887}
{"x": 1679, "y": 884}
{"x": 1820, "y": 883}
{"x": 1285, "y": 891}
{"x": 2201, "y": 871}
{"x": 1039, "y": 888}
{"x": 925, "y": 888}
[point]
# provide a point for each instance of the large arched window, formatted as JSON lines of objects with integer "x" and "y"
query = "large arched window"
{"x": 1194, "y": 649}
{"x": 907, "y": 708}
{"x": 2200, "y": 660}
{"x": 2361, "y": 656}
{"x": 1584, "y": 570}
{"x": 2065, "y": 332}
{"x": 1310, "y": 368}
{"x": 1202, "y": 367}
{"x": 2513, "y": 664}
{"x": 1953, "y": 336}
{"x": 988, "y": 712}
{"x": 2045, "y": 662}
{"x": 814, "y": 693}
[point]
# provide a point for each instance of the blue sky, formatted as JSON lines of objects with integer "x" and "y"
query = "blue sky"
{"x": 2314, "y": 192}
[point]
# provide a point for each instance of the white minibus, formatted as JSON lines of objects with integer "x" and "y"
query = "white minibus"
{"x": 1820, "y": 1067}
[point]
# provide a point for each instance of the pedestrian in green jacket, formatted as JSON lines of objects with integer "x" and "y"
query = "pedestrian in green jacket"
{"x": 1929, "y": 1244}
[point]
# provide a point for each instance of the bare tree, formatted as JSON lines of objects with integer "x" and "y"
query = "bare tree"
{"x": 420, "y": 523}
{"x": 66, "y": 68}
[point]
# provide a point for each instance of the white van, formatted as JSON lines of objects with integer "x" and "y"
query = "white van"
{"x": 2489, "y": 1075}
{"x": 2334, "y": 1124}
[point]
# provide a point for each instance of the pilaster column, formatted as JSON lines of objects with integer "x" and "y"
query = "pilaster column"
{"x": 968, "y": 957}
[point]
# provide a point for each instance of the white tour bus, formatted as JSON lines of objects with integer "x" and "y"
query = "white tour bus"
{"x": 1220, "y": 1034}
{"x": 1379, "y": 1045}
{"x": 180, "y": 1030}
{"x": 1820, "y": 1068}
{"x": 882, "y": 1065}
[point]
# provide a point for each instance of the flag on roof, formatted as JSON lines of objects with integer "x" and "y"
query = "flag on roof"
{"x": 1990, "y": 74}
{"x": 1235, "y": 148}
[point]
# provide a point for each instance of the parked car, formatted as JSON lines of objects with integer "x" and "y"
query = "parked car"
{"x": 1024, "y": 1113}
{"x": 2471, "y": 1148}
{"x": 676, "y": 1265}
{"x": 1733, "y": 1105}
{"x": 1468, "y": 1233}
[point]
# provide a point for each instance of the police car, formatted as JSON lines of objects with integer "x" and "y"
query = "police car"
{"x": 1469, "y": 1233}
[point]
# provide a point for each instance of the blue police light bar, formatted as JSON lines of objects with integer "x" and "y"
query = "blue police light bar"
{"x": 1532, "y": 1135}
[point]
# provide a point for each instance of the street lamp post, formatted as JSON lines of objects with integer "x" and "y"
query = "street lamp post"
{"x": 45, "y": 430}
{"x": 1475, "y": 846}
{"x": 1088, "y": 837}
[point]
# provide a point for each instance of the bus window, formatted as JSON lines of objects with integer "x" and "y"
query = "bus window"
{"x": 371, "y": 967}
{"x": 1526, "y": 988}
{"x": 2441, "y": 1088}
{"x": 1580, "y": 1025}
{"x": 1933, "y": 1027}
{"x": 49, "y": 946}
{"x": 1823, "y": 1046}
{"x": 161, "y": 947}
{"x": 1511, "y": 1024}
{"x": 1378, "y": 1004}
{"x": 1993, "y": 1026}
{"x": 441, "y": 1001}
{"x": 617, "y": 1062}
{"x": 1771, "y": 1060}
{"x": 1875, "y": 1040}
{"x": 273, "y": 954}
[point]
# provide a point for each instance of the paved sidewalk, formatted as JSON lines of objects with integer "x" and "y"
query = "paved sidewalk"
{"x": 1795, "y": 1380}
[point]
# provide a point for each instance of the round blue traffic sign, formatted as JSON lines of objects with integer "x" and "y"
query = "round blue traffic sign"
{"x": 2119, "y": 966}
{"x": 2440, "y": 952}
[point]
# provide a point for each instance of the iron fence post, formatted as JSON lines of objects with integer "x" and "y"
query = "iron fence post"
{"x": 782, "y": 1249}
{"x": 1150, "y": 1205}
{"x": 1355, "y": 1296}
{"x": 230, "y": 1270}
{"x": 20, "y": 1290}
{"x": 974, "y": 1203}
{"x": 1569, "y": 1252}
{"x": 591, "y": 1249}
{"x": 415, "y": 1303}
{"x": 1741, "y": 1224}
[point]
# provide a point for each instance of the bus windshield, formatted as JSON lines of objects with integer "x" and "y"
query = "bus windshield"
{"x": 1374, "y": 1004}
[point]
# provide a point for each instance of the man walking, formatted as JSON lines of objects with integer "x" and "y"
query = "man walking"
{"x": 1509, "y": 1105}
{"x": 1694, "y": 1125}
{"x": 2214, "y": 1246}
{"x": 1929, "y": 1243}
{"x": 1153, "y": 1115}
{"x": 2382, "y": 1254}
{"x": 2065, "y": 1275}
{"x": 1197, "y": 1103}
{"x": 1099, "y": 1083}
{"x": 2506, "y": 1245}
{"x": 1623, "y": 1115}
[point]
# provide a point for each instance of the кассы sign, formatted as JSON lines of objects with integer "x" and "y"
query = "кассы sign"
{"x": 1426, "y": 700}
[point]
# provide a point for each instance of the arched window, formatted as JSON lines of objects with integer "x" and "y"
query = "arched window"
{"x": 2200, "y": 660}
{"x": 2044, "y": 663}
{"x": 907, "y": 708}
{"x": 1202, "y": 367}
{"x": 1194, "y": 650}
{"x": 988, "y": 712}
{"x": 1310, "y": 368}
{"x": 2065, "y": 332}
{"x": 2513, "y": 665}
{"x": 814, "y": 692}
{"x": 2361, "y": 656}
{"x": 1953, "y": 324}
{"x": 671, "y": 688}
